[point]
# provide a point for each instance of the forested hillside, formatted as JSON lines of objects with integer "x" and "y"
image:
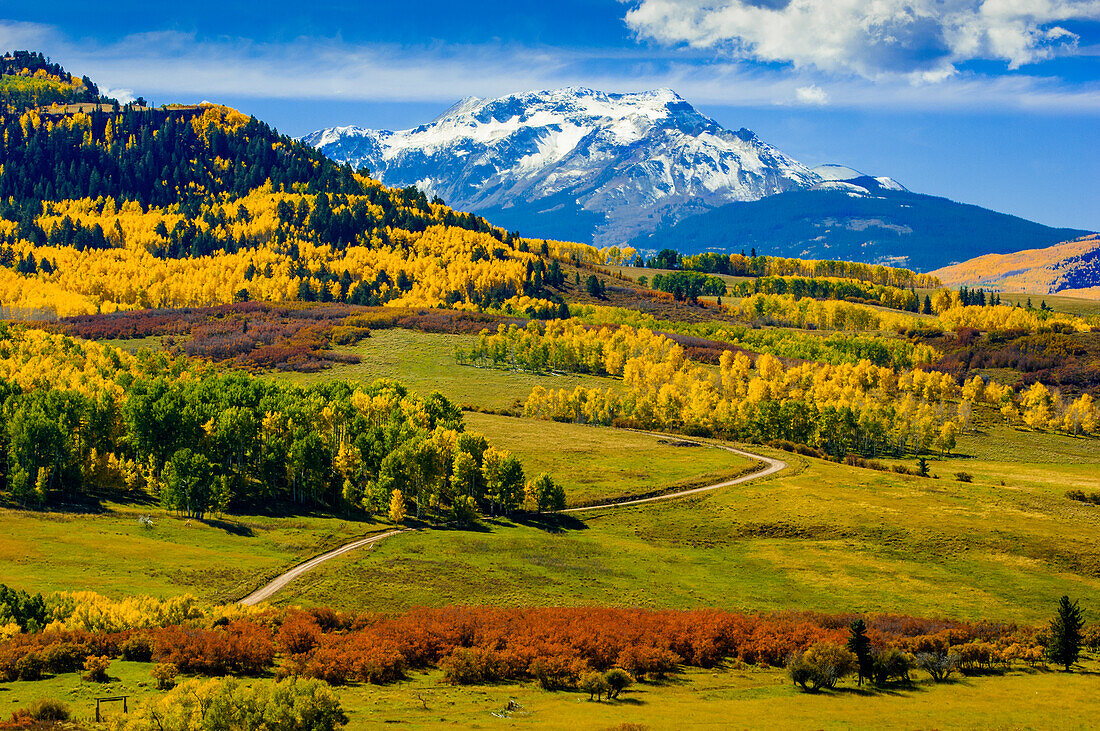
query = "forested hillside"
{"x": 121, "y": 208}
{"x": 908, "y": 229}
{"x": 1071, "y": 268}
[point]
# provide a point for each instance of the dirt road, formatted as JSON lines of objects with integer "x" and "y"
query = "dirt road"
{"x": 771, "y": 467}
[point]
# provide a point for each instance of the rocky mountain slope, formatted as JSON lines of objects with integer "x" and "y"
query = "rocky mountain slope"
{"x": 574, "y": 163}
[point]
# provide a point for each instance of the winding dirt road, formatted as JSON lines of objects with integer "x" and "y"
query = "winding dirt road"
{"x": 265, "y": 592}
{"x": 771, "y": 466}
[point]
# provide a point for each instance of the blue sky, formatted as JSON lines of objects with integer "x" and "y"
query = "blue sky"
{"x": 994, "y": 102}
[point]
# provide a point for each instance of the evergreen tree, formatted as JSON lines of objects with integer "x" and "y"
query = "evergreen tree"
{"x": 927, "y": 305}
{"x": 1066, "y": 634}
{"x": 860, "y": 645}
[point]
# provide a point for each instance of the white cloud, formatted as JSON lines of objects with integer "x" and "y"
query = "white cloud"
{"x": 812, "y": 94}
{"x": 923, "y": 38}
{"x": 124, "y": 96}
{"x": 166, "y": 67}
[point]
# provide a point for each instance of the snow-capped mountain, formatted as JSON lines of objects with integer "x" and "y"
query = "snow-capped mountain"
{"x": 841, "y": 177}
{"x": 574, "y": 163}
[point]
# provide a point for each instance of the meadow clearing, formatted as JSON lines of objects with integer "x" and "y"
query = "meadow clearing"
{"x": 728, "y": 697}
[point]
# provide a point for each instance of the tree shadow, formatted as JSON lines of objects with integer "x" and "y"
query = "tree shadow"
{"x": 551, "y": 522}
{"x": 664, "y": 682}
{"x": 477, "y": 526}
{"x": 231, "y": 527}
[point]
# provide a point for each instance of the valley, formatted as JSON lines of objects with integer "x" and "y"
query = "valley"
{"x": 288, "y": 442}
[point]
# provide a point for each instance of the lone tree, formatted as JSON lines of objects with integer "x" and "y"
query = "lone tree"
{"x": 860, "y": 645}
{"x": 189, "y": 484}
{"x": 1066, "y": 634}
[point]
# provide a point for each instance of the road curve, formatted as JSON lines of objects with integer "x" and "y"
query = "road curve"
{"x": 266, "y": 591}
{"x": 771, "y": 467}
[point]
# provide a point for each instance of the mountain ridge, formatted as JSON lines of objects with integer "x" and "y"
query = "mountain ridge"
{"x": 574, "y": 160}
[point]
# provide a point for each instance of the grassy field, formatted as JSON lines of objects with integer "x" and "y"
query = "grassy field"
{"x": 820, "y": 536}
{"x": 222, "y": 560}
{"x": 712, "y": 699}
{"x": 1059, "y": 303}
{"x": 1016, "y": 457}
{"x": 111, "y": 553}
{"x": 633, "y": 273}
{"x": 599, "y": 464}
{"x": 426, "y": 363}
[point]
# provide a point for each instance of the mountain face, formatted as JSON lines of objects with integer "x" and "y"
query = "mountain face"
{"x": 865, "y": 219}
{"x": 574, "y": 164}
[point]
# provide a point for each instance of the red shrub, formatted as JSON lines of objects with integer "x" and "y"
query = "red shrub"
{"x": 239, "y": 648}
{"x": 299, "y": 633}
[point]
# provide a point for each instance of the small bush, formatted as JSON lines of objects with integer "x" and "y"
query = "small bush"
{"x": 30, "y": 667}
{"x": 299, "y": 633}
{"x": 939, "y": 665}
{"x": 48, "y": 710}
{"x": 95, "y": 668}
{"x": 617, "y": 680}
{"x": 469, "y": 666}
{"x": 595, "y": 685}
{"x": 63, "y": 657}
{"x": 138, "y": 648}
{"x": 1081, "y": 496}
{"x": 165, "y": 674}
{"x": 553, "y": 672}
{"x": 641, "y": 660}
{"x": 891, "y": 665}
{"x": 964, "y": 477}
{"x": 1091, "y": 638}
{"x": 821, "y": 666}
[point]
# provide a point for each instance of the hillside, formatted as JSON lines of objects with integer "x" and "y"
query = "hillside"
{"x": 107, "y": 207}
{"x": 283, "y": 447}
{"x": 1071, "y": 268}
{"x": 874, "y": 225}
{"x": 573, "y": 164}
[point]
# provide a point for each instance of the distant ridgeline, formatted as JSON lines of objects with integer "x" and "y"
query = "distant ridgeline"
{"x": 896, "y": 227}
{"x": 108, "y": 207}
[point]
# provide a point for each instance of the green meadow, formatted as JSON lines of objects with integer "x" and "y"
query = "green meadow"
{"x": 722, "y": 698}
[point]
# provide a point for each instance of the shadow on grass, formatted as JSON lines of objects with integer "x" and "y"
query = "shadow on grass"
{"x": 229, "y": 526}
{"x": 480, "y": 526}
{"x": 665, "y": 682}
{"x": 551, "y": 522}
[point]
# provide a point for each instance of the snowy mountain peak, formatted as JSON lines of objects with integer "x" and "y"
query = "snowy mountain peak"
{"x": 574, "y": 163}
{"x": 842, "y": 177}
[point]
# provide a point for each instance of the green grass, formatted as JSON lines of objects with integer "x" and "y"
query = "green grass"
{"x": 1079, "y": 306}
{"x": 821, "y": 536}
{"x": 1020, "y": 458}
{"x": 426, "y": 363}
{"x": 600, "y": 464}
{"x": 224, "y": 560}
{"x": 734, "y": 697}
{"x": 112, "y": 554}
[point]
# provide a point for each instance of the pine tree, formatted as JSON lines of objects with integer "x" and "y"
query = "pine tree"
{"x": 1065, "y": 634}
{"x": 860, "y": 645}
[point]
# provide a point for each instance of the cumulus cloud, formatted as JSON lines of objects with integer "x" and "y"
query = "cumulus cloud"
{"x": 924, "y": 39}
